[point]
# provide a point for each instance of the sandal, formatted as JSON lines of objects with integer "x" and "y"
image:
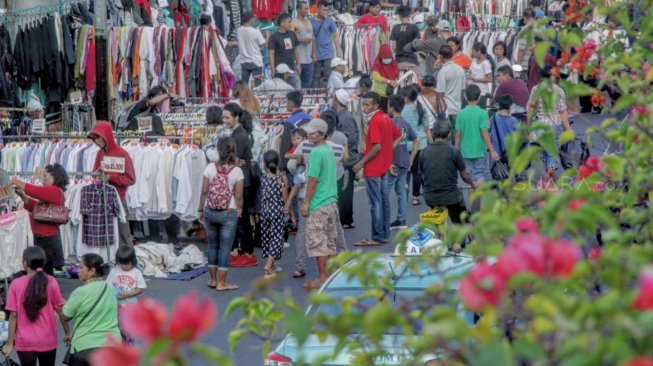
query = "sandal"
{"x": 269, "y": 273}
{"x": 298, "y": 274}
{"x": 367, "y": 243}
{"x": 349, "y": 226}
{"x": 416, "y": 201}
{"x": 211, "y": 285}
{"x": 227, "y": 288}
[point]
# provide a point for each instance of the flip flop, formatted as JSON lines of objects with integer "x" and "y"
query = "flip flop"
{"x": 348, "y": 226}
{"x": 227, "y": 288}
{"x": 299, "y": 274}
{"x": 367, "y": 243}
{"x": 210, "y": 285}
{"x": 416, "y": 201}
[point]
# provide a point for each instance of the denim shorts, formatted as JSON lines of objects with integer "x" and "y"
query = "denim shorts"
{"x": 478, "y": 168}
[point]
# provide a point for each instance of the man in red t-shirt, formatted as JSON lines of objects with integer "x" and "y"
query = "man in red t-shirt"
{"x": 374, "y": 17}
{"x": 381, "y": 138}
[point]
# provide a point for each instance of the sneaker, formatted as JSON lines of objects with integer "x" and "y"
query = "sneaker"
{"x": 396, "y": 225}
{"x": 236, "y": 260}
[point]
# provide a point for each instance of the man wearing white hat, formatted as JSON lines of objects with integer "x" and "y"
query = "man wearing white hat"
{"x": 284, "y": 80}
{"x": 337, "y": 77}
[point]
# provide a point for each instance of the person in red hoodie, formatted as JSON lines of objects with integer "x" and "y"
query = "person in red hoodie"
{"x": 46, "y": 235}
{"x": 116, "y": 163}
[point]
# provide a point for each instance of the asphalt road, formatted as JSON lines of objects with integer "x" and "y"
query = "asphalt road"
{"x": 248, "y": 353}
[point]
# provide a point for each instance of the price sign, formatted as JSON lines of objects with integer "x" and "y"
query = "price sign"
{"x": 163, "y": 3}
{"x": 76, "y": 97}
{"x": 113, "y": 164}
{"x": 144, "y": 124}
{"x": 38, "y": 125}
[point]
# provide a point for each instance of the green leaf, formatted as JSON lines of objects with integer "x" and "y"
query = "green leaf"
{"x": 567, "y": 136}
{"x": 211, "y": 354}
{"x": 299, "y": 325}
{"x": 624, "y": 102}
{"x": 492, "y": 353}
{"x": 235, "y": 304}
{"x": 528, "y": 349}
{"x": 158, "y": 347}
{"x": 235, "y": 337}
{"x": 541, "y": 50}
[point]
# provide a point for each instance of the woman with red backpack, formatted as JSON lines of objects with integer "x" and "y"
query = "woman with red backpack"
{"x": 221, "y": 204}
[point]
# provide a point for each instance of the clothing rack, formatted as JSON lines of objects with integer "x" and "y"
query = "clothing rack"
{"x": 61, "y": 7}
{"x": 71, "y": 174}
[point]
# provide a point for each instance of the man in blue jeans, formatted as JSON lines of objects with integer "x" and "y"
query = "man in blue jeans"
{"x": 401, "y": 160}
{"x": 325, "y": 44}
{"x": 382, "y": 136}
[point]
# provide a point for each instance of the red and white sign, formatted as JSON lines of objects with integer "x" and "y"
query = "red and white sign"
{"x": 113, "y": 164}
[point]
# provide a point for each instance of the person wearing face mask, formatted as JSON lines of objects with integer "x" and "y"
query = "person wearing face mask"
{"x": 385, "y": 74}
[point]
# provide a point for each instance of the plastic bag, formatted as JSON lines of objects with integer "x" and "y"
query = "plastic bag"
{"x": 499, "y": 171}
{"x": 573, "y": 153}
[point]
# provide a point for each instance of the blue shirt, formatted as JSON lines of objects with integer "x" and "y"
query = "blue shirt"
{"x": 298, "y": 116}
{"x": 410, "y": 114}
{"x": 400, "y": 154}
{"x": 500, "y": 127}
{"x": 323, "y": 38}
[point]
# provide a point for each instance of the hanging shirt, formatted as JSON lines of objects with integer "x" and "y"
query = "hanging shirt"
{"x": 98, "y": 229}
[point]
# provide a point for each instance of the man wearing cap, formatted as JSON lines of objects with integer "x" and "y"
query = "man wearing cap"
{"x": 337, "y": 77}
{"x": 285, "y": 79}
{"x": 347, "y": 125}
{"x": 326, "y": 44}
{"x": 428, "y": 48}
{"x": 320, "y": 202}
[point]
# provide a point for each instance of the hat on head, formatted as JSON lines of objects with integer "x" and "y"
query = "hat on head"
{"x": 282, "y": 69}
{"x": 316, "y": 125}
{"x": 444, "y": 25}
{"x": 338, "y": 62}
{"x": 431, "y": 20}
{"x": 343, "y": 96}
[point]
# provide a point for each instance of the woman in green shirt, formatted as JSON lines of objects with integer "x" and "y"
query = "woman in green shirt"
{"x": 94, "y": 308}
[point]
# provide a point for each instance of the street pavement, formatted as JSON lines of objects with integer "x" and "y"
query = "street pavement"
{"x": 248, "y": 353}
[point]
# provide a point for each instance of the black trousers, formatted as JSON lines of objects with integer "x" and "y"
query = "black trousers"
{"x": 244, "y": 239}
{"x": 170, "y": 225}
{"x": 416, "y": 176}
{"x": 53, "y": 249}
{"x": 30, "y": 358}
{"x": 346, "y": 197}
{"x": 455, "y": 211}
{"x": 81, "y": 358}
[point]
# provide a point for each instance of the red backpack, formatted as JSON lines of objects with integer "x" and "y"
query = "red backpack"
{"x": 219, "y": 195}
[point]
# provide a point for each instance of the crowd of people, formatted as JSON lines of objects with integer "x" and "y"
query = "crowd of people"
{"x": 417, "y": 139}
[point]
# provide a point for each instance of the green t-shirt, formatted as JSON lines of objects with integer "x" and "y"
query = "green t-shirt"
{"x": 470, "y": 122}
{"x": 94, "y": 328}
{"x": 322, "y": 165}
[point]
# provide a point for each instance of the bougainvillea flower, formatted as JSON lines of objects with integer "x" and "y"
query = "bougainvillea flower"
{"x": 641, "y": 110}
{"x": 584, "y": 171}
{"x": 191, "y": 318}
{"x": 526, "y": 225}
{"x": 532, "y": 249}
{"x": 575, "y": 204}
{"x": 483, "y": 286}
{"x": 595, "y": 253}
{"x": 644, "y": 299}
{"x": 561, "y": 258}
{"x": 598, "y": 99}
{"x": 595, "y": 163}
{"x": 115, "y": 353}
{"x": 639, "y": 361}
{"x": 144, "y": 319}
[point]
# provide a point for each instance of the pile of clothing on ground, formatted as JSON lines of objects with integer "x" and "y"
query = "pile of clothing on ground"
{"x": 157, "y": 260}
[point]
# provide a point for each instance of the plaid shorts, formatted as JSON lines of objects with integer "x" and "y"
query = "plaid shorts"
{"x": 321, "y": 231}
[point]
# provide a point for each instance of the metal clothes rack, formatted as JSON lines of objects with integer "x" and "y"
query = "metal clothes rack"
{"x": 61, "y": 7}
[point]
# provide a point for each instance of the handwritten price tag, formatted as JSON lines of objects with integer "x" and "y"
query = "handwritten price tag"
{"x": 76, "y": 97}
{"x": 38, "y": 125}
{"x": 144, "y": 124}
{"x": 113, "y": 164}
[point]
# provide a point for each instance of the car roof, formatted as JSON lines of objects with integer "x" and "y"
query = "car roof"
{"x": 449, "y": 266}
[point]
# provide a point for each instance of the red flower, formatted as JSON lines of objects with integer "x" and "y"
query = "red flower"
{"x": 595, "y": 253}
{"x": 144, "y": 319}
{"x": 644, "y": 299}
{"x": 191, "y": 318}
{"x": 641, "y": 110}
{"x": 639, "y": 361}
{"x": 531, "y": 248}
{"x": 598, "y": 187}
{"x": 526, "y": 225}
{"x": 598, "y": 99}
{"x": 595, "y": 163}
{"x": 584, "y": 171}
{"x": 483, "y": 286}
{"x": 116, "y": 353}
{"x": 562, "y": 257}
{"x": 575, "y": 204}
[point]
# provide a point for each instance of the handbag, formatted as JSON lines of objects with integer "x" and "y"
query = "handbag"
{"x": 67, "y": 358}
{"x": 50, "y": 213}
{"x": 441, "y": 111}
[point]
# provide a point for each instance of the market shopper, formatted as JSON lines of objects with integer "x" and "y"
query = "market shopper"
{"x": 459, "y": 57}
{"x": 94, "y": 308}
{"x": 382, "y": 136}
{"x": 283, "y": 46}
{"x": 499, "y": 50}
{"x": 347, "y": 125}
{"x": 245, "y": 98}
{"x": 284, "y": 79}
{"x": 515, "y": 88}
{"x": 403, "y": 34}
{"x": 116, "y": 163}
{"x": 375, "y": 18}
{"x": 304, "y": 33}
{"x": 450, "y": 84}
{"x": 429, "y": 46}
{"x": 416, "y": 115}
{"x": 481, "y": 72}
{"x": 127, "y": 281}
{"x": 221, "y": 222}
{"x": 440, "y": 164}
{"x": 33, "y": 300}
{"x": 385, "y": 75}
{"x": 243, "y": 250}
{"x": 250, "y": 41}
{"x": 46, "y": 234}
{"x": 325, "y": 46}
{"x": 273, "y": 194}
{"x": 337, "y": 77}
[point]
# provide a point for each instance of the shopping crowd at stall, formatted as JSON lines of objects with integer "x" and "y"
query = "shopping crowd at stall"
{"x": 243, "y": 125}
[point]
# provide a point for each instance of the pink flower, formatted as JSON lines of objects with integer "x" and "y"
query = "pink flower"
{"x": 598, "y": 187}
{"x": 595, "y": 253}
{"x": 575, "y": 204}
{"x": 639, "y": 361}
{"x": 531, "y": 248}
{"x": 644, "y": 299}
{"x": 594, "y": 163}
{"x": 584, "y": 171}
{"x": 526, "y": 225}
{"x": 483, "y": 286}
{"x": 191, "y": 318}
{"x": 640, "y": 110}
{"x": 144, "y": 319}
{"x": 116, "y": 353}
{"x": 562, "y": 257}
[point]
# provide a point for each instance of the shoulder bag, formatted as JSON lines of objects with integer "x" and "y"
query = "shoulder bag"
{"x": 49, "y": 213}
{"x": 67, "y": 358}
